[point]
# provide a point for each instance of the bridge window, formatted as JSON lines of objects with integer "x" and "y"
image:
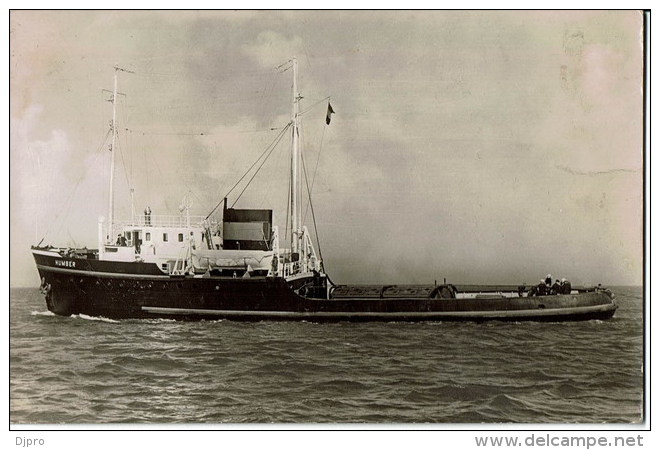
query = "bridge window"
{"x": 164, "y": 237}
{"x": 180, "y": 237}
{"x": 147, "y": 236}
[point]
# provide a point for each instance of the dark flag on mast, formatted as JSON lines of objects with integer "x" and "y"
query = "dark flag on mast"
{"x": 328, "y": 116}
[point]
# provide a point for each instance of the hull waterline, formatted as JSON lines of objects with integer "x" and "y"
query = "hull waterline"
{"x": 122, "y": 290}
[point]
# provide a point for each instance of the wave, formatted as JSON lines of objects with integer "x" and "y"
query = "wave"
{"x": 154, "y": 320}
{"x": 93, "y": 318}
{"x": 161, "y": 370}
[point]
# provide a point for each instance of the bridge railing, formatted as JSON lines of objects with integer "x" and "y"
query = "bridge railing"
{"x": 160, "y": 220}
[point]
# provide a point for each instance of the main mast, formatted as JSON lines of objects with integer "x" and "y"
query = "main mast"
{"x": 295, "y": 156}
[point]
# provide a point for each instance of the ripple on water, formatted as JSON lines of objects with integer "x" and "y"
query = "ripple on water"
{"x": 93, "y": 370}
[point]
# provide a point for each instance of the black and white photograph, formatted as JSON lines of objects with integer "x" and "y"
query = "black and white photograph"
{"x": 339, "y": 219}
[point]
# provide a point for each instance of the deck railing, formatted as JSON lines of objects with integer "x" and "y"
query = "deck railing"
{"x": 158, "y": 220}
{"x": 291, "y": 268}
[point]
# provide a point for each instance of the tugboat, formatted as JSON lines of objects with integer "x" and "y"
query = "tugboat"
{"x": 192, "y": 268}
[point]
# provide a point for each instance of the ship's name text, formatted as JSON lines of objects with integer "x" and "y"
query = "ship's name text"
{"x": 65, "y": 263}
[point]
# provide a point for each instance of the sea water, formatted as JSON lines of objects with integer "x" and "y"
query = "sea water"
{"x": 92, "y": 370}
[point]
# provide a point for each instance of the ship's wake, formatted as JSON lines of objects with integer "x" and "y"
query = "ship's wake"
{"x": 93, "y": 318}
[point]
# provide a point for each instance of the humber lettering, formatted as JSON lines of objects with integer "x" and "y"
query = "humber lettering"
{"x": 61, "y": 263}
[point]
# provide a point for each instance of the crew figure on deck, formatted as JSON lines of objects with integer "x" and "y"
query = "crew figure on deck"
{"x": 541, "y": 288}
{"x": 556, "y": 288}
{"x": 548, "y": 281}
{"x": 147, "y": 216}
{"x": 546, "y": 287}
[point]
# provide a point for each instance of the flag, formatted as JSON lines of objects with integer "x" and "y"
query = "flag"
{"x": 328, "y": 116}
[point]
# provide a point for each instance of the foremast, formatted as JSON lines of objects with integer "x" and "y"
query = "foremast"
{"x": 113, "y": 146}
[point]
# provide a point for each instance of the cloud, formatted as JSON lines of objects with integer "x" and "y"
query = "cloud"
{"x": 271, "y": 49}
{"x": 458, "y": 146}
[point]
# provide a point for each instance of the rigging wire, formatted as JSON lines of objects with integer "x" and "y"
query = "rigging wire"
{"x": 259, "y": 168}
{"x": 125, "y": 111}
{"x": 275, "y": 141}
{"x": 161, "y": 175}
{"x": 288, "y": 205}
{"x": 146, "y": 170}
{"x": 190, "y": 189}
{"x": 311, "y": 207}
{"x": 303, "y": 145}
{"x": 68, "y": 231}
{"x": 128, "y": 171}
{"x": 264, "y": 94}
{"x": 267, "y": 92}
{"x": 123, "y": 163}
{"x": 318, "y": 158}
{"x": 205, "y": 80}
{"x": 202, "y": 133}
{"x": 69, "y": 201}
{"x": 313, "y": 105}
{"x": 300, "y": 185}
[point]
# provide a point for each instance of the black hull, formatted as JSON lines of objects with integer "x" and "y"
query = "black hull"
{"x": 121, "y": 290}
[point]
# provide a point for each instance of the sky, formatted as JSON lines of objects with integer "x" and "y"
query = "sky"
{"x": 472, "y": 146}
